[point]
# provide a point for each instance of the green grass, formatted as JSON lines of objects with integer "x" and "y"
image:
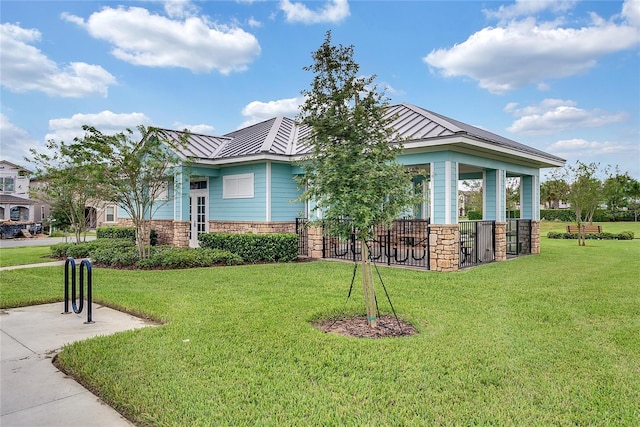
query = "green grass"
{"x": 551, "y": 339}
{"x": 24, "y": 255}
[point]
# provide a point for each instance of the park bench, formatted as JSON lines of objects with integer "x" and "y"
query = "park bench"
{"x": 588, "y": 229}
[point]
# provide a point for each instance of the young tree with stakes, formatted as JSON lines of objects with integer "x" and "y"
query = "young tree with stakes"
{"x": 352, "y": 173}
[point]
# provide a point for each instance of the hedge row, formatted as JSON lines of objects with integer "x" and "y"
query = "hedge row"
{"x": 625, "y": 235}
{"x": 599, "y": 215}
{"x": 115, "y": 232}
{"x": 122, "y": 253}
{"x": 566, "y": 215}
{"x": 281, "y": 247}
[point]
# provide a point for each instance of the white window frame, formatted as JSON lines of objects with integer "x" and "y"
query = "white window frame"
{"x": 106, "y": 213}
{"x": 240, "y": 186}
{"x": 5, "y": 181}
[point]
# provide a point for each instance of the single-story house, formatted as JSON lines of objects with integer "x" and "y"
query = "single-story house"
{"x": 244, "y": 181}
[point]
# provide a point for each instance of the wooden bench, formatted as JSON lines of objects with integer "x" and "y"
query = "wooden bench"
{"x": 588, "y": 229}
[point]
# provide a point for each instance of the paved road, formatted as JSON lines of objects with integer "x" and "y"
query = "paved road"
{"x": 37, "y": 241}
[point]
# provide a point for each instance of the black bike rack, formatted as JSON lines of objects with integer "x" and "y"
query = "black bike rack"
{"x": 77, "y": 308}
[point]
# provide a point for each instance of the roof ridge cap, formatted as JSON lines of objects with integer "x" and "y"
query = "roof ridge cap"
{"x": 271, "y": 136}
{"x": 439, "y": 119}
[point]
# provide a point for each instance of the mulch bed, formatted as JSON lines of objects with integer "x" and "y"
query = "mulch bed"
{"x": 388, "y": 326}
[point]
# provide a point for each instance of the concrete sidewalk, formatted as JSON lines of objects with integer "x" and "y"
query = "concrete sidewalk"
{"x": 33, "y": 392}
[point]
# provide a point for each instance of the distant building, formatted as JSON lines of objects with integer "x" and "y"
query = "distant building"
{"x": 15, "y": 204}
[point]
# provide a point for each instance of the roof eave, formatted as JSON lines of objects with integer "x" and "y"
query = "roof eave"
{"x": 539, "y": 161}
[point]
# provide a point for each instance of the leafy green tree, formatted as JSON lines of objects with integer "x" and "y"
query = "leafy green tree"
{"x": 512, "y": 194}
{"x": 68, "y": 184}
{"x": 132, "y": 172}
{"x": 472, "y": 195}
{"x": 352, "y": 172}
{"x": 616, "y": 190}
{"x": 554, "y": 190}
{"x": 633, "y": 201}
{"x": 585, "y": 193}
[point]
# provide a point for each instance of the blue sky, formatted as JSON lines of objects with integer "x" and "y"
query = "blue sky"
{"x": 561, "y": 76}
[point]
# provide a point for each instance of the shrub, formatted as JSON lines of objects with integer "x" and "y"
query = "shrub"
{"x": 281, "y": 247}
{"x": 566, "y": 215}
{"x": 188, "y": 258}
{"x": 86, "y": 249}
{"x": 600, "y": 215}
{"x": 116, "y": 233}
{"x": 474, "y": 215}
{"x": 124, "y": 233}
{"x": 625, "y": 235}
{"x": 59, "y": 250}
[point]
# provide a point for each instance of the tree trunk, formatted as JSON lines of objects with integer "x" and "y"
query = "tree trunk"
{"x": 367, "y": 283}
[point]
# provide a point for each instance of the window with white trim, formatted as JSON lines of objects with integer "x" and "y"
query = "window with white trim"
{"x": 110, "y": 214}
{"x": 237, "y": 186}
{"x": 7, "y": 184}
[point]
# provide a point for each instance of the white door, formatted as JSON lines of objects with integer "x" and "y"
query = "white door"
{"x": 199, "y": 214}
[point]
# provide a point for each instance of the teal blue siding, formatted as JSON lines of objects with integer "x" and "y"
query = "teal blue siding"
{"x": 244, "y": 209}
{"x": 284, "y": 194}
{"x": 527, "y": 208}
{"x": 122, "y": 213}
{"x": 467, "y": 159}
{"x": 490, "y": 195}
{"x": 163, "y": 209}
{"x": 438, "y": 201}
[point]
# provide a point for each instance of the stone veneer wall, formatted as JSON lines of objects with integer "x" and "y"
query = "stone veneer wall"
{"x": 535, "y": 237}
{"x": 252, "y": 227}
{"x": 180, "y": 237}
{"x": 315, "y": 242}
{"x": 500, "y": 241}
{"x": 444, "y": 247}
{"x": 170, "y": 232}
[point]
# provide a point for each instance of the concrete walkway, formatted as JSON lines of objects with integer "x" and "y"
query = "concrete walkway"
{"x": 33, "y": 392}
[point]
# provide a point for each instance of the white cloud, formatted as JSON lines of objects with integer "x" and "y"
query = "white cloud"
{"x": 525, "y": 52}
{"x": 25, "y": 68}
{"x": 254, "y": 23}
{"x": 529, "y": 7}
{"x": 334, "y": 11}
{"x": 107, "y": 122}
{"x": 583, "y": 149}
{"x": 556, "y": 115}
{"x": 631, "y": 12}
{"x": 152, "y": 40}
{"x": 180, "y": 8}
{"x": 201, "y": 128}
{"x": 20, "y": 142}
{"x": 258, "y": 111}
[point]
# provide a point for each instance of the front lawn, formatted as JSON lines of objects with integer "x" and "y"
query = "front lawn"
{"x": 25, "y": 255}
{"x": 551, "y": 339}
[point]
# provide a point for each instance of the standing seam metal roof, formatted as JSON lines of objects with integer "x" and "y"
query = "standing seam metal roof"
{"x": 283, "y": 136}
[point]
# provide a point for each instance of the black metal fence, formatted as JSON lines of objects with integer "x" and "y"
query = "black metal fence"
{"x": 518, "y": 237}
{"x": 477, "y": 242}
{"x": 405, "y": 243}
{"x": 303, "y": 236}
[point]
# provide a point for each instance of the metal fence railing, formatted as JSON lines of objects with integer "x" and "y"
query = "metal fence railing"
{"x": 303, "y": 236}
{"x": 518, "y": 237}
{"x": 405, "y": 243}
{"x": 477, "y": 242}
